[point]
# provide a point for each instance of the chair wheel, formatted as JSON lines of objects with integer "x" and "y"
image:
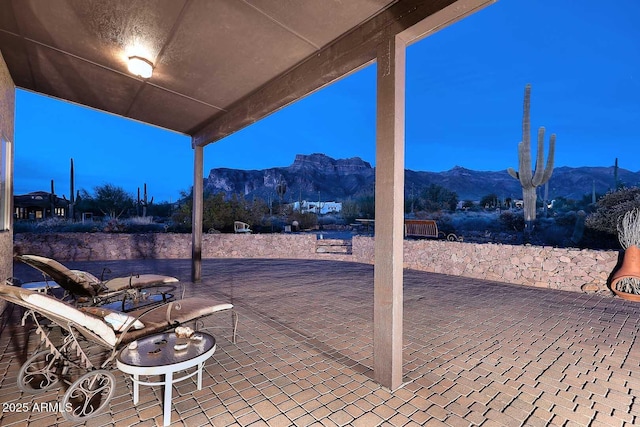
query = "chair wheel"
{"x": 39, "y": 373}
{"x": 88, "y": 396}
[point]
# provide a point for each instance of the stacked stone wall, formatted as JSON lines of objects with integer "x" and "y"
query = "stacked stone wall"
{"x": 114, "y": 246}
{"x": 556, "y": 268}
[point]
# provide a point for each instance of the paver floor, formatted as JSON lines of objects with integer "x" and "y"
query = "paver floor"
{"x": 476, "y": 353}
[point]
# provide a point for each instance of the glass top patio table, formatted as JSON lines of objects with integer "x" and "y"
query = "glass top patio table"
{"x": 156, "y": 355}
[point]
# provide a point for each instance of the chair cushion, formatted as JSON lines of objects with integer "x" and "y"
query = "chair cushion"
{"x": 179, "y": 312}
{"x": 77, "y": 284}
{"x": 68, "y": 314}
{"x": 118, "y": 321}
{"x": 137, "y": 281}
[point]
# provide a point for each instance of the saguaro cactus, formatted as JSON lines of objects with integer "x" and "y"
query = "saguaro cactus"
{"x": 144, "y": 202}
{"x": 531, "y": 179}
{"x": 52, "y": 200}
{"x": 72, "y": 200}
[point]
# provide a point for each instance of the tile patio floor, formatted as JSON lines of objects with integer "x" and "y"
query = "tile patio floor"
{"x": 476, "y": 353}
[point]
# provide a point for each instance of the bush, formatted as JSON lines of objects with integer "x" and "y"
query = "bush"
{"x": 142, "y": 225}
{"x": 567, "y": 219}
{"x": 551, "y": 234}
{"x": 512, "y": 221}
{"x": 611, "y": 207}
{"x": 61, "y": 225}
{"x": 476, "y": 221}
{"x": 53, "y": 225}
{"x": 306, "y": 221}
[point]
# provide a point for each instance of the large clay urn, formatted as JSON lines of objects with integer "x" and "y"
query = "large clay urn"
{"x": 630, "y": 268}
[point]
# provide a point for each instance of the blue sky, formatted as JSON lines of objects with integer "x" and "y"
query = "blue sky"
{"x": 465, "y": 88}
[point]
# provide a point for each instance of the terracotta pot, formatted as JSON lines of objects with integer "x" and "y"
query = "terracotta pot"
{"x": 630, "y": 268}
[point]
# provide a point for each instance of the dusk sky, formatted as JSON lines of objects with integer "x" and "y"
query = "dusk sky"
{"x": 465, "y": 87}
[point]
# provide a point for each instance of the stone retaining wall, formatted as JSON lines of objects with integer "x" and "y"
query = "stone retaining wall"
{"x": 114, "y": 246}
{"x": 567, "y": 269}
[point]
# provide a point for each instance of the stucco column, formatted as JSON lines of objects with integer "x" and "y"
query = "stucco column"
{"x": 389, "y": 225}
{"x": 196, "y": 222}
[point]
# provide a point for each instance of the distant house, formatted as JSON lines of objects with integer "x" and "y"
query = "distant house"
{"x": 320, "y": 208}
{"x": 39, "y": 205}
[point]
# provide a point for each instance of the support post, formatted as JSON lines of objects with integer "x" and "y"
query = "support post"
{"x": 389, "y": 203}
{"x": 196, "y": 222}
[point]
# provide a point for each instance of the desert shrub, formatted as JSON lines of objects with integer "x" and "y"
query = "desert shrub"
{"x": 476, "y": 221}
{"x": 305, "y": 220}
{"x": 142, "y": 225}
{"x": 24, "y": 227}
{"x": 445, "y": 222}
{"x": 52, "y": 225}
{"x": 79, "y": 227}
{"x": 331, "y": 219}
{"x": 38, "y": 226}
{"x": 551, "y": 234}
{"x": 512, "y": 221}
{"x": 61, "y": 225}
{"x": 566, "y": 219}
{"x": 611, "y": 207}
{"x": 177, "y": 227}
{"x": 470, "y": 205}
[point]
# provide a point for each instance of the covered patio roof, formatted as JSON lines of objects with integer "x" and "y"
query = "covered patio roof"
{"x": 217, "y": 65}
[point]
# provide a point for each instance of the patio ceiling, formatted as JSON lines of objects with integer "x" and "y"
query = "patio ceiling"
{"x": 219, "y": 65}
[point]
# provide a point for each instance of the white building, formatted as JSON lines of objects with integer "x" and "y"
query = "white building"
{"x": 320, "y": 208}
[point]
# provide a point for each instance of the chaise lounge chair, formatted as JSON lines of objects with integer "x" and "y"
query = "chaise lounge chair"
{"x": 241, "y": 227}
{"x": 89, "y": 344}
{"x": 121, "y": 293}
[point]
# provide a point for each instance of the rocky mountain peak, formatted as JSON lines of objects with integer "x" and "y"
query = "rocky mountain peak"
{"x": 322, "y": 163}
{"x": 317, "y": 175}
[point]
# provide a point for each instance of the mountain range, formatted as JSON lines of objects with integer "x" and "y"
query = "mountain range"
{"x": 319, "y": 177}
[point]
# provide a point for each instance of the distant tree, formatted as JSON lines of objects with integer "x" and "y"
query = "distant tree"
{"x": 561, "y": 204}
{"x": 489, "y": 201}
{"x": 350, "y": 211}
{"x": 367, "y": 206}
{"x": 468, "y": 204}
{"x": 109, "y": 199}
{"x": 305, "y": 220}
{"x": 112, "y": 200}
{"x": 162, "y": 209}
{"x": 219, "y": 213}
{"x": 437, "y": 197}
{"x": 411, "y": 201}
{"x": 258, "y": 209}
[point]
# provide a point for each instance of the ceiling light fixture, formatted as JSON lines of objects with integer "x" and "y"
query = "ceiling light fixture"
{"x": 140, "y": 66}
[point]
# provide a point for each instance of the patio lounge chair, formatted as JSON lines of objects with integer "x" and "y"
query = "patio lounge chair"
{"x": 241, "y": 227}
{"x": 88, "y": 344}
{"x": 122, "y": 293}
